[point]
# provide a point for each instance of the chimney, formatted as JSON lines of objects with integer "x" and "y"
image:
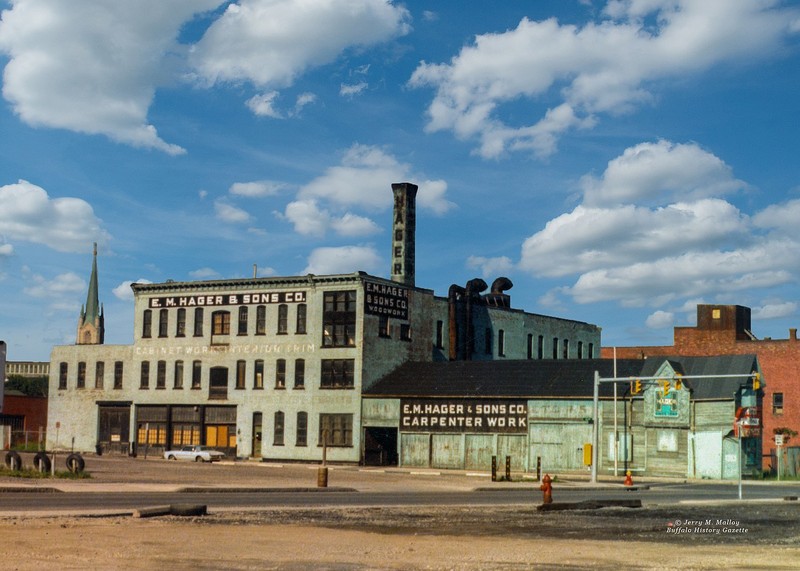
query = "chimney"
{"x": 403, "y": 232}
{"x": 793, "y": 334}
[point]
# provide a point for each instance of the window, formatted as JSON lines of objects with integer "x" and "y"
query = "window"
{"x": 261, "y": 320}
{"x": 161, "y": 375}
{"x": 197, "y": 372}
{"x": 241, "y": 370}
{"x": 384, "y": 327}
{"x": 405, "y": 332}
{"x": 147, "y": 323}
{"x": 339, "y": 319}
{"x": 163, "y": 322}
{"x": 777, "y": 403}
{"x": 300, "y": 374}
{"x": 440, "y": 334}
{"x": 177, "y": 381}
{"x": 283, "y": 319}
{"x": 501, "y": 343}
{"x": 278, "y": 436}
{"x": 580, "y": 349}
{"x": 144, "y": 376}
{"x": 242, "y": 330}
{"x": 590, "y": 355}
{"x": 555, "y": 347}
{"x": 337, "y": 374}
{"x": 487, "y": 341}
{"x": 62, "y": 376}
{"x": 258, "y": 375}
{"x": 218, "y": 383}
{"x": 180, "y": 324}
{"x": 280, "y": 374}
{"x": 302, "y": 429}
{"x": 566, "y": 348}
{"x": 99, "y": 373}
{"x": 81, "y": 375}
{"x": 301, "y": 318}
{"x": 117, "y": 375}
{"x": 540, "y": 347}
{"x": 198, "y": 321}
{"x": 221, "y": 323}
{"x": 336, "y": 429}
{"x": 530, "y": 346}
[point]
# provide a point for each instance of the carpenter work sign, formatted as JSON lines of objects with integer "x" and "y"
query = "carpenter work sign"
{"x": 463, "y": 415}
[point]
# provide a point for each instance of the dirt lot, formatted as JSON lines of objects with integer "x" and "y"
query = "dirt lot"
{"x": 735, "y": 536}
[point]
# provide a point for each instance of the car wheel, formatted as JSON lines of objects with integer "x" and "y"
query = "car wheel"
{"x": 171, "y": 457}
{"x": 198, "y": 458}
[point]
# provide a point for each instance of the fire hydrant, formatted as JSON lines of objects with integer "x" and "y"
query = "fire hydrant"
{"x": 628, "y": 479}
{"x": 547, "y": 490}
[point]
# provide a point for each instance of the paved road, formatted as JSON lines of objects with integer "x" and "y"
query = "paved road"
{"x": 77, "y": 502}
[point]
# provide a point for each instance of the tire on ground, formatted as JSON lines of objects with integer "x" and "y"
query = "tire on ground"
{"x": 42, "y": 463}
{"x": 75, "y": 463}
{"x": 13, "y": 460}
{"x": 188, "y": 509}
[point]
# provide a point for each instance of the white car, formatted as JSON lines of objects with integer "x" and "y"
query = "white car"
{"x": 196, "y": 453}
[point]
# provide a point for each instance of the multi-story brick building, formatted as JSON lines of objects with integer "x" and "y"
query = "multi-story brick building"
{"x": 275, "y": 367}
{"x": 726, "y": 330}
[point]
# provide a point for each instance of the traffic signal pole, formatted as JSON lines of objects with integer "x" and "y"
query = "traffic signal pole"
{"x": 596, "y": 402}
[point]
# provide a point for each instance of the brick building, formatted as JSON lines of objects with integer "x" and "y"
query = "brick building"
{"x": 726, "y": 330}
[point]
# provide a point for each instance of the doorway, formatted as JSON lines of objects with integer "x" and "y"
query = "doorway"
{"x": 256, "y": 448}
{"x": 380, "y": 446}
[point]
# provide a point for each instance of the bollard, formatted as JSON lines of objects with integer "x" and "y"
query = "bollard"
{"x": 628, "y": 479}
{"x": 322, "y": 477}
{"x": 538, "y": 468}
{"x": 508, "y": 468}
{"x": 547, "y": 490}
{"x": 494, "y": 468}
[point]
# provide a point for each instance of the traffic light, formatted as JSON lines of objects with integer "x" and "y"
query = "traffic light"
{"x": 664, "y": 387}
{"x": 677, "y": 383}
{"x": 637, "y": 387}
{"x": 756, "y": 381}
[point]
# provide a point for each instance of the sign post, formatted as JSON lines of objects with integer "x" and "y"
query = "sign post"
{"x": 779, "y": 444}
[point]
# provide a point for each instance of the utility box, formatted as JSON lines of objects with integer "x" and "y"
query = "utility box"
{"x": 587, "y": 454}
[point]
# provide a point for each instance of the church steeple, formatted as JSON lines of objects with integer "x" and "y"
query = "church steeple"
{"x": 91, "y": 327}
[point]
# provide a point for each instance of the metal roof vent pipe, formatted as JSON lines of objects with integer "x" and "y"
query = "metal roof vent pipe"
{"x": 472, "y": 294}
{"x": 496, "y": 298}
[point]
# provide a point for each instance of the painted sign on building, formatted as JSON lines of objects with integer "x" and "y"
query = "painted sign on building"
{"x": 464, "y": 415}
{"x": 228, "y": 299}
{"x": 667, "y": 404}
{"x": 383, "y": 299}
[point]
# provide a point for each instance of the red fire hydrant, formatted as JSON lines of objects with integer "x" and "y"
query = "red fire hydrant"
{"x": 628, "y": 478}
{"x": 547, "y": 490}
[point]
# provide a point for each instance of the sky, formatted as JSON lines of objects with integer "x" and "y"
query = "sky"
{"x": 619, "y": 161}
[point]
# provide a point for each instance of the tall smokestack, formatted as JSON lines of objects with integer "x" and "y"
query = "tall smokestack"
{"x": 403, "y": 232}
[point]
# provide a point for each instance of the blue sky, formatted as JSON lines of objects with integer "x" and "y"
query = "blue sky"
{"x": 620, "y": 161}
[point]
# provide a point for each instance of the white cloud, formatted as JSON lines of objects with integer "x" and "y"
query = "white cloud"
{"x": 343, "y": 260}
{"x": 603, "y": 67}
{"x": 92, "y": 67}
{"x": 303, "y": 101}
{"x": 63, "y": 285}
{"x": 490, "y": 267}
{"x": 205, "y": 274}
{"x": 257, "y": 40}
{"x": 6, "y": 249}
{"x": 660, "y": 320}
{"x": 63, "y": 224}
{"x": 263, "y": 105}
{"x": 229, "y": 213}
{"x": 353, "y": 225}
{"x": 256, "y": 189}
{"x": 659, "y": 172}
{"x": 124, "y": 292}
{"x": 362, "y": 178}
{"x": 352, "y": 89}
{"x": 775, "y": 310}
{"x": 664, "y": 251}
